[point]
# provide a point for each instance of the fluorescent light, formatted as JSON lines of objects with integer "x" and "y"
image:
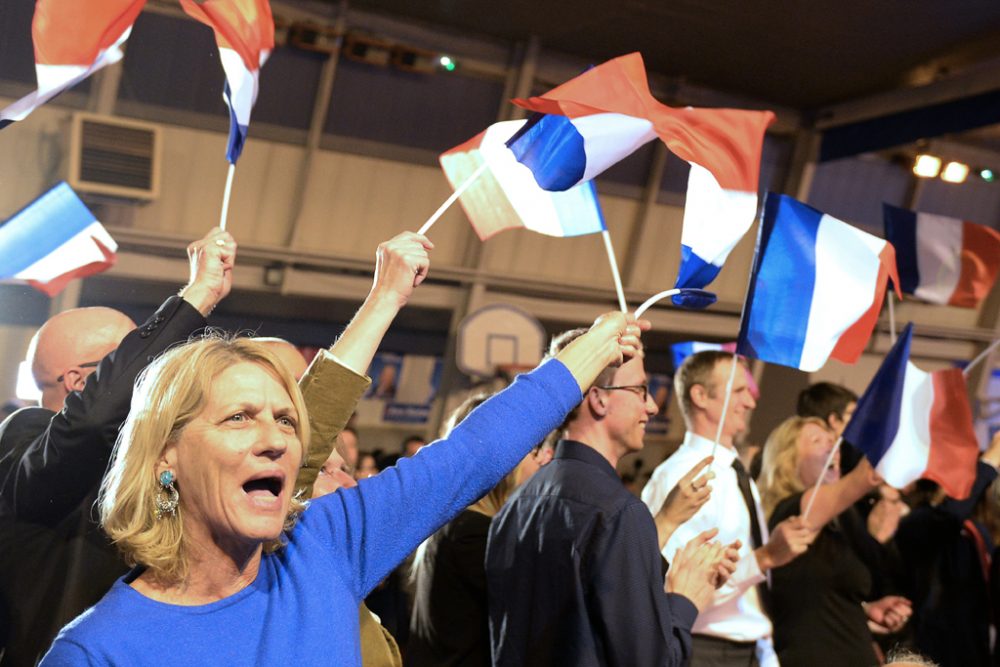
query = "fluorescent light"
{"x": 955, "y": 172}
{"x": 927, "y": 166}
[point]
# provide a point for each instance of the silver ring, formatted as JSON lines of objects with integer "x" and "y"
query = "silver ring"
{"x": 220, "y": 242}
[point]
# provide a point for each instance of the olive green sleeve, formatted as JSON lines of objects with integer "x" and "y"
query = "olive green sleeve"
{"x": 331, "y": 391}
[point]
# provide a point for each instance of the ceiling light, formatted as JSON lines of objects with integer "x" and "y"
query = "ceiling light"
{"x": 955, "y": 172}
{"x": 987, "y": 174}
{"x": 447, "y": 63}
{"x": 927, "y": 166}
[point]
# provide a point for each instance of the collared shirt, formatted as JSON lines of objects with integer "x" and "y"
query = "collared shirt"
{"x": 573, "y": 573}
{"x": 735, "y": 612}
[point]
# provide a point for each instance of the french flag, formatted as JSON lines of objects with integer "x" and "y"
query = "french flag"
{"x": 244, "y": 31}
{"x": 816, "y": 287}
{"x": 610, "y": 113}
{"x": 912, "y": 424}
{"x": 505, "y": 195}
{"x": 72, "y": 40}
{"x": 54, "y": 240}
{"x": 943, "y": 260}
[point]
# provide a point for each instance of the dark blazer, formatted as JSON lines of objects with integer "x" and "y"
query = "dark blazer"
{"x": 54, "y": 560}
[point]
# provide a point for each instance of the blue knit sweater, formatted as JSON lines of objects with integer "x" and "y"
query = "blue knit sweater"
{"x": 302, "y": 609}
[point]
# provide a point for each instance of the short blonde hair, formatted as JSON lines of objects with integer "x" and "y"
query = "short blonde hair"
{"x": 779, "y": 474}
{"x": 169, "y": 393}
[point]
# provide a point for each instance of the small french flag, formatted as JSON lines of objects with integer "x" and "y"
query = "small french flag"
{"x": 816, "y": 287}
{"x": 912, "y": 424}
{"x": 244, "y": 31}
{"x": 505, "y": 195}
{"x": 72, "y": 40}
{"x": 54, "y": 240}
{"x": 606, "y": 113}
{"x": 943, "y": 260}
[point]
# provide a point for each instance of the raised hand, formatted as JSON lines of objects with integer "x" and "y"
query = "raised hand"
{"x": 211, "y": 260}
{"x": 684, "y": 500}
{"x": 401, "y": 263}
{"x": 789, "y": 539}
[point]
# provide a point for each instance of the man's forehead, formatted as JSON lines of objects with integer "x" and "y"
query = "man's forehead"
{"x": 632, "y": 371}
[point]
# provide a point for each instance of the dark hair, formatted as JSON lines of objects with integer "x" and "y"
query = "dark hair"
{"x": 408, "y": 439}
{"x": 823, "y": 399}
{"x": 698, "y": 369}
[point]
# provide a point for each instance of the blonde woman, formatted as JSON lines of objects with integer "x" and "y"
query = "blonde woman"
{"x": 228, "y": 571}
{"x": 450, "y": 621}
{"x": 819, "y": 602}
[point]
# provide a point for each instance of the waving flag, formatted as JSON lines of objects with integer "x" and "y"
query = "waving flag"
{"x": 72, "y": 40}
{"x": 943, "y": 260}
{"x": 912, "y": 424}
{"x": 610, "y": 112}
{"x": 505, "y": 195}
{"x": 816, "y": 288}
{"x": 54, "y": 240}
{"x": 244, "y": 31}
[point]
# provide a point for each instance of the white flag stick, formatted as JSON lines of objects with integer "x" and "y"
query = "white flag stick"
{"x": 648, "y": 303}
{"x": 812, "y": 498}
{"x": 892, "y": 318}
{"x": 614, "y": 271}
{"x": 452, "y": 199}
{"x": 979, "y": 357}
{"x": 225, "y": 196}
{"x": 725, "y": 402}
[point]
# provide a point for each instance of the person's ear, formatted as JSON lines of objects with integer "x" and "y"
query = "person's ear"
{"x": 597, "y": 402}
{"x": 545, "y": 455}
{"x": 167, "y": 460}
{"x": 699, "y": 396}
{"x": 834, "y": 420}
{"x": 73, "y": 380}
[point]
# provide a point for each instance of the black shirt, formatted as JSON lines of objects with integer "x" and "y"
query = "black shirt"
{"x": 815, "y": 600}
{"x": 574, "y": 573}
{"x": 450, "y": 626}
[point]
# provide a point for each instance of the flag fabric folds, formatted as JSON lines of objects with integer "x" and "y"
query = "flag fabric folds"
{"x": 816, "y": 287}
{"x": 72, "y": 40}
{"x": 912, "y": 424}
{"x": 943, "y": 260}
{"x": 506, "y": 196}
{"x": 54, "y": 240}
{"x": 611, "y": 112}
{"x": 244, "y": 31}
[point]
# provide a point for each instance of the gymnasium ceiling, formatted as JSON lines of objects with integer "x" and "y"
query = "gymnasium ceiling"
{"x": 801, "y": 54}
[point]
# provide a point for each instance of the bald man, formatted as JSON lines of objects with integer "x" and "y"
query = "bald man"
{"x": 54, "y": 561}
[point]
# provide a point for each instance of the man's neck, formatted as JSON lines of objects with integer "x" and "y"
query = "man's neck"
{"x": 709, "y": 430}
{"x": 596, "y": 439}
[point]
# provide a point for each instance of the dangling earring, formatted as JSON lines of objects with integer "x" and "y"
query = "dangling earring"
{"x": 166, "y": 496}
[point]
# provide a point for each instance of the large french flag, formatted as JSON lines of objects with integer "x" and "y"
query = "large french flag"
{"x": 943, "y": 260}
{"x": 54, "y": 240}
{"x": 505, "y": 195}
{"x": 72, "y": 40}
{"x": 244, "y": 31}
{"x": 912, "y": 424}
{"x": 610, "y": 112}
{"x": 816, "y": 287}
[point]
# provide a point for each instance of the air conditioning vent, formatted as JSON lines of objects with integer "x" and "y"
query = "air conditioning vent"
{"x": 114, "y": 157}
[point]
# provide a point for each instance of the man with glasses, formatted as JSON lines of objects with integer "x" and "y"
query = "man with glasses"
{"x": 734, "y": 628}
{"x": 573, "y": 571}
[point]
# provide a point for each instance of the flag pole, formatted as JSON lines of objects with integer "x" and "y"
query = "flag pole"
{"x": 743, "y": 311}
{"x": 980, "y": 357}
{"x": 614, "y": 270}
{"x": 829, "y": 460}
{"x": 225, "y": 196}
{"x": 892, "y": 317}
{"x": 451, "y": 200}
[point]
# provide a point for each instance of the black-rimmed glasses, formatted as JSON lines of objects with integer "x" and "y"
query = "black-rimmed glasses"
{"x": 86, "y": 364}
{"x": 640, "y": 390}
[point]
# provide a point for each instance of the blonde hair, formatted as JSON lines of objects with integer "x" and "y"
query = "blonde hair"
{"x": 169, "y": 393}
{"x": 779, "y": 474}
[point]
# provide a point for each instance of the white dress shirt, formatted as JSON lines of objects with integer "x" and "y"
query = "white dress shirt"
{"x": 735, "y": 612}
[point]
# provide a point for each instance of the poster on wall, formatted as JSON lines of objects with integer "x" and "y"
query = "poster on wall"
{"x": 402, "y": 390}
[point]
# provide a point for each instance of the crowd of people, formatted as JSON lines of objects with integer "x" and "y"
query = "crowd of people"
{"x": 197, "y": 498}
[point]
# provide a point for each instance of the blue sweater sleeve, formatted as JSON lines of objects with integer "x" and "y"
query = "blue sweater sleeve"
{"x": 374, "y": 526}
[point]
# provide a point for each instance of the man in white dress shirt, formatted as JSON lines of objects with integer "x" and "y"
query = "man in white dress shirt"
{"x": 734, "y": 629}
